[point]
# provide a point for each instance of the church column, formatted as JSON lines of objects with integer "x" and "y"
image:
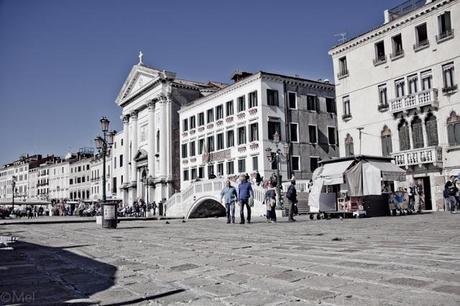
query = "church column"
{"x": 163, "y": 139}
{"x": 151, "y": 138}
{"x": 134, "y": 147}
{"x": 125, "y": 158}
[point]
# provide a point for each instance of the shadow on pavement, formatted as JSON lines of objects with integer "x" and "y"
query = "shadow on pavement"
{"x": 36, "y": 274}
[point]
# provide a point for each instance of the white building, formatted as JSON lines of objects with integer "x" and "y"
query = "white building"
{"x": 150, "y": 99}
{"x": 397, "y": 84}
{"x": 228, "y": 132}
{"x": 97, "y": 177}
{"x": 117, "y": 162}
{"x": 59, "y": 179}
{"x": 79, "y": 177}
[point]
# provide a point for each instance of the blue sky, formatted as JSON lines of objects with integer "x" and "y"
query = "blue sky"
{"x": 62, "y": 62}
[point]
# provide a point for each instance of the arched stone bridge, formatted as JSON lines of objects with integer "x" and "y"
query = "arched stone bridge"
{"x": 202, "y": 199}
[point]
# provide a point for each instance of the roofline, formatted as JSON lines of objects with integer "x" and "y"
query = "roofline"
{"x": 356, "y": 158}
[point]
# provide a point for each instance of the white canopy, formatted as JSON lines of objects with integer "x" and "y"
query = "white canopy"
{"x": 390, "y": 172}
{"x": 332, "y": 174}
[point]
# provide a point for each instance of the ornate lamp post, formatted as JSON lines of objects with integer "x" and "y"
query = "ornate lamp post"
{"x": 276, "y": 156}
{"x": 103, "y": 145}
{"x": 13, "y": 185}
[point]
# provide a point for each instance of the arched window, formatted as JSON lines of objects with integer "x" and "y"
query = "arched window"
{"x": 349, "y": 149}
{"x": 404, "y": 137}
{"x": 417, "y": 133}
{"x": 431, "y": 128}
{"x": 387, "y": 147}
{"x": 453, "y": 129}
{"x": 158, "y": 142}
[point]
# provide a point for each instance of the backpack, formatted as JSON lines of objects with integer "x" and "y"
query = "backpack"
{"x": 290, "y": 193}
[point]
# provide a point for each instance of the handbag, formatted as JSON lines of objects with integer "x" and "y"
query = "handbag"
{"x": 251, "y": 202}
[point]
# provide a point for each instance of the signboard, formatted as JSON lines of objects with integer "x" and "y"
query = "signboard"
{"x": 216, "y": 156}
{"x": 109, "y": 212}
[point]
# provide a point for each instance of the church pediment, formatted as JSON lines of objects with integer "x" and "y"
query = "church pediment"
{"x": 140, "y": 155}
{"x": 139, "y": 77}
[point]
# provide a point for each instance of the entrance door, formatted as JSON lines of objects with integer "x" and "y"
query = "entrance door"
{"x": 424, "y": 186}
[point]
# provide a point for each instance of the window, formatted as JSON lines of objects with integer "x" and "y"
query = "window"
{"x": 200, "y": 146}
{"x": 210, "y": 170}
{"x": 431, "y": 128}
{"x": 421, "y": 36}
{"x": 445, "y": 26}
{"x": 219, "y": 112}
{"x": 114, "y": 163}
{"x": 200, "y": 119}
{"x": 254, "y": 132}
{"x": 210, "y": 144}
{"x": 412, "y": 82}
{"x": 273, "y": 127}
{"x": 241, "y": 165}
{"x": 312, "y": 103}
{"x": 343, "y": 69}
{"x": 201, "y": 172}
{"x": 70, "y": 181}
{"x": 158, "y": 142}
{"x": 313, "y": 134}
{"x": 399, "y": 86}
{"x": 387, "y": 147}
{"x": 186, "y": 173}
{"x": 230, "y": 139}
{"x": 253, "y": 99}
{"x": 346, "y": 107}
{"x": 453, "y": 129}
{"x": 220, "y": 169}
{"x": 294, "y": 132}
{"x": 448, "y": 77}
{"x": 210, "y": 115}
{"x": 380, "y": 56}
{"x": 241, "y": 104}
{"x": 417, "y": 133}
{"x": 397, "y": 46}
{"x": 192, "y": 122}
{"x": 220, "y": 141}
{"x": 292, "y": 97}
{"x": 192, "y": 149}
{"x": 313, "y": 163}
{"x": 330, "y": 106}
{"x": 229, "y": 108}
{"x": 426, "y": 78}
{"x": 241, "y": 135}
{"x": 272, "y": 97}
{"x": 230, "y": 167}
{"x": 184, "y": 150}
{"x": 349, "y": 146}
{"x": 295, "y": 163}
{"x": 331, "y": 135}
{"x": 185, "y": 125}
{"x": 255, "y": 163}
{"x": 383, "y": 97}
{"x": 114, "y": 185}
{"x": 404, "y": 137}
{"x": 193, "y": 173}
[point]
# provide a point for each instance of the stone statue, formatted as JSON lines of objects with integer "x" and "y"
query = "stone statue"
{"x": 141, "y": 57}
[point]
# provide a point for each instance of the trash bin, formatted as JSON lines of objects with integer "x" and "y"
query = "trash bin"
{"x": 109, "y": 215}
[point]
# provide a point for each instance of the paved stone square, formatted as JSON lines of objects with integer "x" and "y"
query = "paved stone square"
{"x": 408, "y": 260}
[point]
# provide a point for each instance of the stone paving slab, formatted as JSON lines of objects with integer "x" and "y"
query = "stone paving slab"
{"x": 411, "y": 260}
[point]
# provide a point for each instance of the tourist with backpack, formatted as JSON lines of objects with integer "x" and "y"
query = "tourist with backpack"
{"x": 450, "y": 193}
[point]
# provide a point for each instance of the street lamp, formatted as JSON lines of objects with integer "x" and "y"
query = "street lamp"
{"x": 13, "y": 184}
{"x": 275, "y": 156}
{"x": 103, "y": 144}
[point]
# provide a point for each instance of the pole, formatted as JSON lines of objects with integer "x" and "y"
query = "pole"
{"x": 14, "y": 187}
{"x": 104, "y": 150}
{"x": 278, "y": 185}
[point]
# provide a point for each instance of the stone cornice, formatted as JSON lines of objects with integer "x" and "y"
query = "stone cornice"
{"x": 356, "y": 41}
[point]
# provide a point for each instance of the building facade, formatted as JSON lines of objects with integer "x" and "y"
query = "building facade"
{"x": 398, "y": 89}
{"x": 150, "y": 99}
{"x": 228, "y": 132}
{"x": 79, "y": 177}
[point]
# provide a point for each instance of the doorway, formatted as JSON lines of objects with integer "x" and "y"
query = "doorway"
{"x": 424, "y": 189}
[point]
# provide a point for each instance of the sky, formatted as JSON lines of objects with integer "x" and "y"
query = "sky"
{"x": 63, "y": 62}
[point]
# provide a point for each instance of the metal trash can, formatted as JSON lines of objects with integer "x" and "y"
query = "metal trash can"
{"x": 109, "y": 215}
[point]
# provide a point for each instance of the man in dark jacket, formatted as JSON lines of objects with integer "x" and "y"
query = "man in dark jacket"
{"x": 450, "y": 191}
{"x": 244, "y": 193}
{"x": 291, "y": 196}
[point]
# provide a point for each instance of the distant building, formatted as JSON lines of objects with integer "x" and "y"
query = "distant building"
{"x": 397, "y": 86}
{"x": 227, "y": 133}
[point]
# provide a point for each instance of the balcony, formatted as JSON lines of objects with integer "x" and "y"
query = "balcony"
{"x": 449, "y": 90}
{"x": 418, "y": 157}
{"x": 419, "y": 99}
{"x": 446, "y": 35}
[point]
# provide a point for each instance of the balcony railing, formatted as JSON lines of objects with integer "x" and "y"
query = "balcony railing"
{"x": 430, "y": 155}
{"x": 419, "y": 99}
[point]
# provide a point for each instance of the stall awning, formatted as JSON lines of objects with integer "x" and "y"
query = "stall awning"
{"x": 332, "y": 173}
{"x": 390, "y": 172}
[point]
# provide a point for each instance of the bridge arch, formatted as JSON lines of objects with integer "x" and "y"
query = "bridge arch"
{"x": 206, "y": 207}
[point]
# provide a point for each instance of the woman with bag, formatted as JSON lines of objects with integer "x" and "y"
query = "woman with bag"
{"x": 270, "y": 203}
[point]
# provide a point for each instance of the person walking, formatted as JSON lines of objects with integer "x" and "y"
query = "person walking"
{"x": 291, "y": 196}
{"x": 258, "y": 178}
{"x": 244, "y": 193}
{"x": 270, "y": 203}
{"x": 229, "y": 196}
{"x": 411, "y": 194}
{"x": 450, "y": 191}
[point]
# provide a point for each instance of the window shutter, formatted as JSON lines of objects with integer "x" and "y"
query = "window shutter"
{"x": 317, "y": 104}
{"x": 432, "y": 131}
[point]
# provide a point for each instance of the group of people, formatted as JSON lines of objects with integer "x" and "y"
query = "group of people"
{"x": 410, "y": 199}
{"x": 244, "y": 196}
{"x": 451, "y": 194}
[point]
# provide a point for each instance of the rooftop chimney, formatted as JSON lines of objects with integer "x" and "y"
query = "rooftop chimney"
{"x": 239, "y": 75}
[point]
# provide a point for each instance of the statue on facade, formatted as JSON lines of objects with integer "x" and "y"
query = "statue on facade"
{"x": 141, "y": 58}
